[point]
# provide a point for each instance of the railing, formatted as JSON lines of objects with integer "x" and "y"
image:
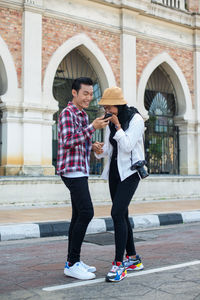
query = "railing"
{"x": 178, "y": 4}
{"x": 161, "y": 146}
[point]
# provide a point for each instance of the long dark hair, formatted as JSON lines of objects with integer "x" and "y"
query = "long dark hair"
{"x": 125, "y": 114}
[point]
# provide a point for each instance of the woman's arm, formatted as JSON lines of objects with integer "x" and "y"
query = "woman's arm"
{"x": 128, "y": 139}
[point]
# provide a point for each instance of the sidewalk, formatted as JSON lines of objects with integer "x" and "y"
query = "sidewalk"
{"x": 30, "y": 222}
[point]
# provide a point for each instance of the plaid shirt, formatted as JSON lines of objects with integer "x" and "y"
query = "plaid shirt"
{"x": 74, "y": 140}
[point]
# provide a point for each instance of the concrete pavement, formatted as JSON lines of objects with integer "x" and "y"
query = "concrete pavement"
{"x": 29, "y": 222}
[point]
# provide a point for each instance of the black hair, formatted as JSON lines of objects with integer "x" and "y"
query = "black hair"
{"x": 76, "y": 85}
{"x": 125, "y": 114}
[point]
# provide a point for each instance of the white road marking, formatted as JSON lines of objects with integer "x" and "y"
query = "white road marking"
{"x": 140, "y": 273}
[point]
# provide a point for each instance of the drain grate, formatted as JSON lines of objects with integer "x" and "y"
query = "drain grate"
{"x": 104, "y": 238}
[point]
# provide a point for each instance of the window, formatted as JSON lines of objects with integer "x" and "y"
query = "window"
{"x": 161, "y": 136}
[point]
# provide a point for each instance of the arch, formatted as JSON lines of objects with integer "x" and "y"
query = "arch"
{"x": 9, "y": 75}
{"x": 89, "y": 49}
{"x": 184, "y": 101}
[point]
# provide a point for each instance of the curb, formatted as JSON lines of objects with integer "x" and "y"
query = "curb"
{"x": 61, "y": 228}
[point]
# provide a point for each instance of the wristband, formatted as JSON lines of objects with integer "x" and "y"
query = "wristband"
{"x": 117, "y": 126}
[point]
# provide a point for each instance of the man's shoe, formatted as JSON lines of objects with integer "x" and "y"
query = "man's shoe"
{"x": 88, "y": 268}
{"x": 117, "y": 272}
{"x": 78, "y": 271}
{"x": 133, "y": 264}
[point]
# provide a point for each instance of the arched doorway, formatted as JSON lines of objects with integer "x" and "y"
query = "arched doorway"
{"x": 76, "y": 64}
{"x": 161, "y": 136}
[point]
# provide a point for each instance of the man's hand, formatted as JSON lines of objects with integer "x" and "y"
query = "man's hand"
{"x": 97, "y": 147}
{"x": 100, "y": 123}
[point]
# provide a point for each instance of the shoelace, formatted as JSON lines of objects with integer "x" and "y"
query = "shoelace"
{"x": 114, "y": 268}
{"x": 84, "y": 265}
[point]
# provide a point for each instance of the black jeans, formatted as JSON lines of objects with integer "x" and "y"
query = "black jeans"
{"x": 82, "y": 213}
{"x": 121, "y": 194}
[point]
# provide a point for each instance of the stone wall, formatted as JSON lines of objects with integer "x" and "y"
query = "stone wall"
{"x": 36, "y": 191}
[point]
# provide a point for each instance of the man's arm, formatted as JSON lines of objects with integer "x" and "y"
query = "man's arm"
{"x": 71, "y": 138}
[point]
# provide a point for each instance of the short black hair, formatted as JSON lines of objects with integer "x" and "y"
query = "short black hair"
{"x": 76, "y": 85}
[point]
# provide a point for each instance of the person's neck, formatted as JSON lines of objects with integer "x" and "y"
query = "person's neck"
{"x": 77, "y": 106}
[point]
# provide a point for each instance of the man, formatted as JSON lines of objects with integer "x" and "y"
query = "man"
{"x": 74, "y": 147}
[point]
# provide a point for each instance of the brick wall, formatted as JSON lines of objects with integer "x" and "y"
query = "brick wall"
{"x": 56, "y": 32}
{"x": 147, "y": 50}
{"x": 11, "y": 33}
{"x": 193, "y": 5}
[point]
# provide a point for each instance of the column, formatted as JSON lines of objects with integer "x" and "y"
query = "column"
{"x": 197, "y": 94}
{"x": 187, "y": 145}
{"x": 31, "y": 82}
{"x": 128, "y": 67}
{"x": 128, "y": 56}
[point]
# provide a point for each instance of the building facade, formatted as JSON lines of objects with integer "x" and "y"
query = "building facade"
{"x": 151, "y": 49}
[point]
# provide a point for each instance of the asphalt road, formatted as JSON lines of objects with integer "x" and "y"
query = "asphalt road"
{"x": 33, "y": 269}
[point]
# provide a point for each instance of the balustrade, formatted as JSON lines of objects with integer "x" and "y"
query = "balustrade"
{"x": 178, "y": 4}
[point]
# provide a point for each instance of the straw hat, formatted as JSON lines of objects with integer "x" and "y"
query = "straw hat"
{"x": 112, "y": 96}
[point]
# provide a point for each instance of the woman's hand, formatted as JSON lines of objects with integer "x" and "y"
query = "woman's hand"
{"x": 114, "y": 119}
{"x": 97, "y": 147}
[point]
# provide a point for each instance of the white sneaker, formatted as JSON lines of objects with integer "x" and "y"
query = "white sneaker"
{"x": 78, "y": 271}
{"x": 88, "y": 268}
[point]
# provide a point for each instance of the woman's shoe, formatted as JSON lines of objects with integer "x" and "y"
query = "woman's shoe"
{"x": 117, "y": 272}
{"x": 132, "y": 264}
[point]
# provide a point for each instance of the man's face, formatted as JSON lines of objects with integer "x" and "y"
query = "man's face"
{"x": 84, "y": 96}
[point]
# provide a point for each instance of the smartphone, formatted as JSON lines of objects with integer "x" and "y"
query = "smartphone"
{"x": 108, "y": 115}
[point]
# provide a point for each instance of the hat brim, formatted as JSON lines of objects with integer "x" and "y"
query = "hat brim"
{"x": 114, "y": 101}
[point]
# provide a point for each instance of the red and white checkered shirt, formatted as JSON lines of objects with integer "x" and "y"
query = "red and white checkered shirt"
{"x": 74, "y": 140}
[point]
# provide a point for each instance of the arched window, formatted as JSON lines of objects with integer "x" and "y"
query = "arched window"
{"x": 161, "y": 136}
{"x": 75, "y": 65}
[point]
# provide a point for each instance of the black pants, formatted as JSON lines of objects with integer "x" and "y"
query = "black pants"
{"x": 82, "y": 213}
{"x": 121, "y": 194}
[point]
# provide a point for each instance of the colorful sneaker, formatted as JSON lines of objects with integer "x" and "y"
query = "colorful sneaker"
{"x": 78, "y": 271}
{"x": 117, "y": 273}
{"x": 133, "y": 264}
{"x": 88, "y": 268}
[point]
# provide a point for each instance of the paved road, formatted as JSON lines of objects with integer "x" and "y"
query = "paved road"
{"x": 171, "y": 256}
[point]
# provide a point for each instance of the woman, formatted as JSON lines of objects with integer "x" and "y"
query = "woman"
{"x": 124, "y": 147}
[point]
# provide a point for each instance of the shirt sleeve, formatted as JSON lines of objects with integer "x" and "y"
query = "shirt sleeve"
{"x": 71, "y": 137}
{"x": 128, "y": 139}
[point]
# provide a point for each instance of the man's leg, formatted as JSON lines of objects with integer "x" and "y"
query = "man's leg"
{"x": 83, "y": 213}
{"x": 72, "y": 223}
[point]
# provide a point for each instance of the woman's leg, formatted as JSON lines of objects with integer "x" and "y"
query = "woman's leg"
{"x": 130, "y": 245}
{"x": 123, "y": 195}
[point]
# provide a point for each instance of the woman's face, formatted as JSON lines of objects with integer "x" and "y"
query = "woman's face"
{"x": 111, "y": 109}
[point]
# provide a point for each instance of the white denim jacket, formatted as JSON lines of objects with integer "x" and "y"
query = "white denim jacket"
{"x": 127, "y": 141}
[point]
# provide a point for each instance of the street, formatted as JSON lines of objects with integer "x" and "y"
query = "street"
{"x": 33, "y": 269}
